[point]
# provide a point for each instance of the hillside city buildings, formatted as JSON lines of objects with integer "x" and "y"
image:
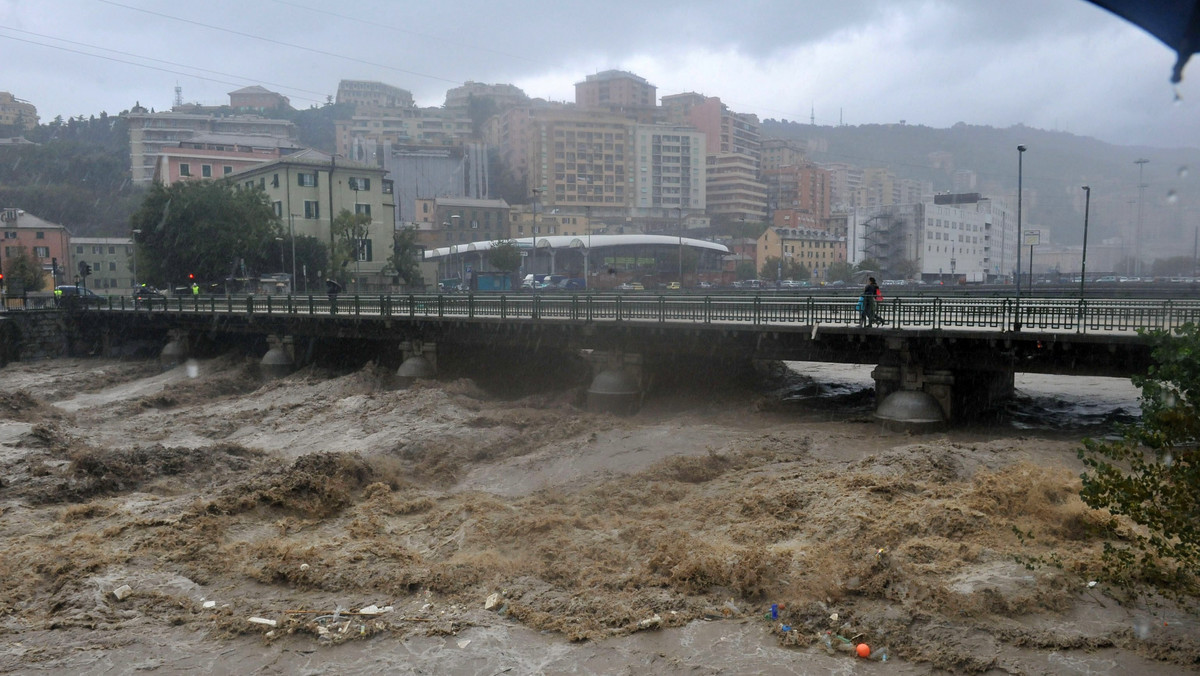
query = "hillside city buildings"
{"x": 492, "y": 163}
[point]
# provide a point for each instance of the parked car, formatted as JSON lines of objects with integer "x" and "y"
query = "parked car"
{"x": 79, "y": 295}
{"x": 674, "y": 286}
{"x": 706, "y": 285}
{"x": 631, "y": 286}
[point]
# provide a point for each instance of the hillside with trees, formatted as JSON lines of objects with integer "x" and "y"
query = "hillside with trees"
{"x": 76, "y": 175}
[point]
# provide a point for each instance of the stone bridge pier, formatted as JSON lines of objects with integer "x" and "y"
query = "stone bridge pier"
{"x": 920, "y": 385}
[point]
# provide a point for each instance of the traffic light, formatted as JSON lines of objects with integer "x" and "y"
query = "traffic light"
{"x": 191, "y": 276}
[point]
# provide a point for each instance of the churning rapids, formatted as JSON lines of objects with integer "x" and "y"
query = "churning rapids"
{"x": 524, "y": 535}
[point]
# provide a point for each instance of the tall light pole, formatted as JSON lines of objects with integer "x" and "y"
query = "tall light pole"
{"x": 292, "y": 236}
{"x": 134, "y": 240}
{"x": 1020, "y": 158}
{"x": 537, "y": 194}
{"x": 357, "y": 241}
{"x": 680, "y": 246}
{"x": 1087, "y": 202}
{"x": 1137, "y": 239}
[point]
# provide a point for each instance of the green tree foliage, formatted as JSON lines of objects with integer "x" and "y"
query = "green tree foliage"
{"x": 479, "y": 109}
{"x": 740, "y": 229}
{"x": 204, "y": 228}
{"x": 23, "y": 272}
{"x": 790, "y": 269}
{"x": 1152, "y": 475}
{"x": 349, "y": 229}
{"x": 315, "y": 125}
{"x": 406, "y": 256}
{"x": 505, "y": 256}
{"x": 312, "y": 259}
{"x": 841, "y": 271}
{"x": 1183, "y": 266}
{"x": 78, "y": 175}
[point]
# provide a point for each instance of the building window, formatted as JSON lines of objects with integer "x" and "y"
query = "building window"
{"x": 112, "y": 250}
{"x": 362, "y": 209}
{"x": 312, "y": 209}
{"x": 185, "y": 169}
{"x": 364, "y": 250}
{"x": 41, "y": 251}
{"x": 306, "y": 180}
{"x": 275, "y": 181}
{"x": 227, "y": 170}
{"x": 79, "y": 249}
{"x": 206, "y": 171}
{"x": 358, "y": 184}
{"x": 39, "y": 235}
{"x": 387, "y": 187}
{"x": 10, "y": 234}
{"x": 112, "y": 267}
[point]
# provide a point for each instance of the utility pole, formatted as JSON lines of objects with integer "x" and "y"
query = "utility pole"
{"x": 1137, "y": 240}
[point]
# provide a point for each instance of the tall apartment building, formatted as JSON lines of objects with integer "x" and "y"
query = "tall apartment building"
{"x": 798, "y": 195}
{"x": 671, "y": 167}
{"x": 150, "y": 132}
{"x": 369, "y": 94}
{"x": 734, "y": 153}
{"x": 617, "y": 90}
{"x": 17, "y": 112}
{"x": 778, "y": 152}
{"x": 364, "y": 136}
{"x": 734, "y": 191}
{"x": 576, "y": 159}
{"x": 845, "y": 181}
{"x": 504, "y": 95}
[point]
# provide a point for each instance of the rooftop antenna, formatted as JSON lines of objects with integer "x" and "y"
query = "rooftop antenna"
{"x": 812, "y": 116}
{"x": 841, "y": 123}
{"x": 178, "y": 95}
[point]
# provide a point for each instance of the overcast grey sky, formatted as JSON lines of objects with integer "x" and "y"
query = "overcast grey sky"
{"x": 1053, "y": 64}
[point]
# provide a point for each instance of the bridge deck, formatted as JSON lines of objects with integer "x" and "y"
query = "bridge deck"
{"x": 1102, "y": 316}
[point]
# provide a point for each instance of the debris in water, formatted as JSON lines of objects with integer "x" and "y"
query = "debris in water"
{"x": 121, "y": 592}
{"x": 263, "y": 621}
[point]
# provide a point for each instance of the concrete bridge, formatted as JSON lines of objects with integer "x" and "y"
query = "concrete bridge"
{"x": 938, "y": 359}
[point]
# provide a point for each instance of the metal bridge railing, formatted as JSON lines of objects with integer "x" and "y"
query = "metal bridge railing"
{"x": 951, "y": 313}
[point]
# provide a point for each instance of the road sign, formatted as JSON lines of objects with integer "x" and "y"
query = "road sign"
{"x": 1033, "y": 238}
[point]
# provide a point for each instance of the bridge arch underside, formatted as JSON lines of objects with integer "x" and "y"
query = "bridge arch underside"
{"x": 965, "y": 372}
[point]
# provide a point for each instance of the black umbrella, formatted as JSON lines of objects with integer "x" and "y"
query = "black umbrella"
{"x": 1175, "y": 22}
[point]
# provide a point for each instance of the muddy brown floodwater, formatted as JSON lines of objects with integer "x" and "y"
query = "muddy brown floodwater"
{"x": 438, "y": 529}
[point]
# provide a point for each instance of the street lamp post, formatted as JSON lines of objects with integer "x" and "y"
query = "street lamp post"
{"x": 292, "y": 236}
{"x": 1087, "y": 202}
{"x": 134, "y": 240}
{"x": 1017, "y": 319}
{"x": 357, "y": 242}
{"x": 537, "y": 194}
{"x": 1137, "y": 239}
{"x": 680, "y": 246}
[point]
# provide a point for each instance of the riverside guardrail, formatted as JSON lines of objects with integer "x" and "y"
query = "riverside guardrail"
{"x": 948, "y": 313}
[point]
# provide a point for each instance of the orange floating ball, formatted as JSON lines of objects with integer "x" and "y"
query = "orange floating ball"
{"x": 864, "y": 650}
